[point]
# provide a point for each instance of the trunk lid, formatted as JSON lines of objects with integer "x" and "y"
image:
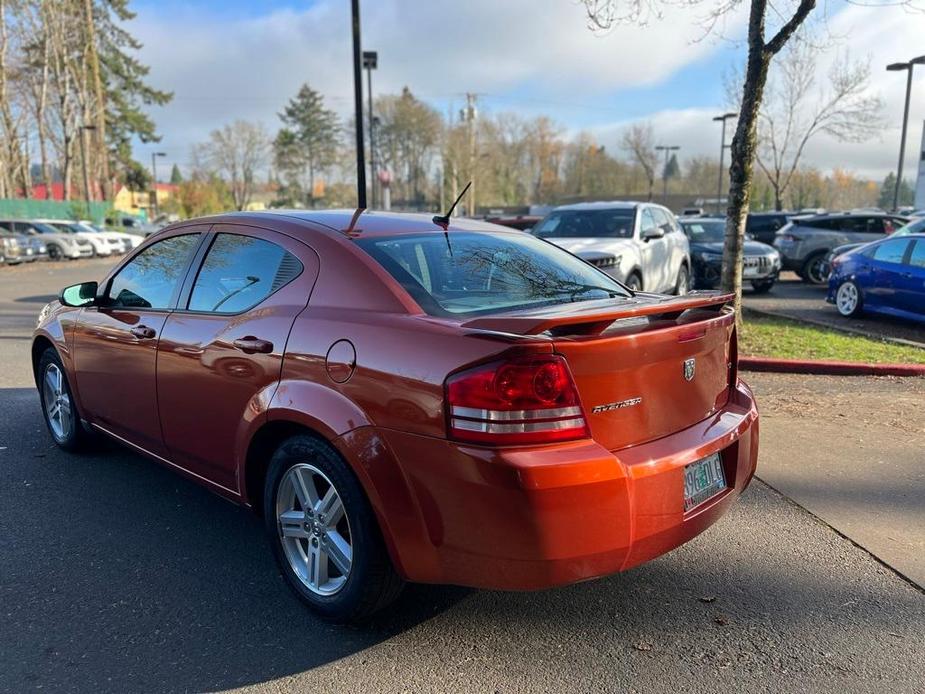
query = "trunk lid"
{"x": 644, "y": 367}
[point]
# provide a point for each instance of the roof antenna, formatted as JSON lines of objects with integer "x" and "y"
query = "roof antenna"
{"x": 444, "y": 220}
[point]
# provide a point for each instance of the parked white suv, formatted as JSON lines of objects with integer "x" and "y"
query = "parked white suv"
{"x": 638, "y": 243}
{"x": 104, "y": 244}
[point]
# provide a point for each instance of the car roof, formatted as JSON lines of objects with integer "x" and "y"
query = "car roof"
{"x": 357, "y": 223}
{"x": 602, "y": 205}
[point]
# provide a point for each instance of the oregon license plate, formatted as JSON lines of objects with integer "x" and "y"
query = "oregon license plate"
{"x": 703, "y": 480}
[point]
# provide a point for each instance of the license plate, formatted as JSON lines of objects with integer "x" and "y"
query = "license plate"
{"x": 750, "y": 271}
{"x": 703, "y": 480}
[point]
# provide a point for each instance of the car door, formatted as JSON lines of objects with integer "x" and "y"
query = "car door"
{"x": 886, "y": 260}
{"x": 116, "y": 343}
{"x": 910, "y": 285}
{"x": 654, "y": 252}
{"x": 221, "y": 351}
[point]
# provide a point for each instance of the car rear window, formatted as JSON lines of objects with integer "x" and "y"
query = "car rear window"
{"x": 571, "y": 224}
{"x": 473, "y": 273}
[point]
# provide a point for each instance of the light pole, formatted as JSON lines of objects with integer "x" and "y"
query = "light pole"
{"x": 895, "y": 67}
{"x": 722, "y": 151}
{"x": 370, "y": 63}
{"x": 358, "y": 105}
{"x": 667, "y": 149}
{"x": 83, "y": 161}
{"x": 154, "y": 156}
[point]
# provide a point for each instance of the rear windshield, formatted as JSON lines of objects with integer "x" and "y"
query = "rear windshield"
{"x": 571, "y": 224}
{"x": 472, "y": 273}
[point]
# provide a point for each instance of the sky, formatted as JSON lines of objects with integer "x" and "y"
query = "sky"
{"x": 231, "y": 59}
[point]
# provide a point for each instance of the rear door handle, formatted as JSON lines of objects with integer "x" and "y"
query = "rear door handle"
{"x": 252, "y": 345}
{"x": 143, "y": 332}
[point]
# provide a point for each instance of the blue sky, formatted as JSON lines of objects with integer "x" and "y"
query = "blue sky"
{"x": 236, "y": 59}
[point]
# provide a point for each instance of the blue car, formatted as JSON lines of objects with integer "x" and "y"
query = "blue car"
{"x": 886, "y": 276}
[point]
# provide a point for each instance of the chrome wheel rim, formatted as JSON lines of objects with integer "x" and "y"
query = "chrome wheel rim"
{"x": 57, "y": 403}
{"x": 847, "y": 298}
{"x": 314, "y": 530}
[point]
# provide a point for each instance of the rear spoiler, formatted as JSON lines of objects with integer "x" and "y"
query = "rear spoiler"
{"x": 595, "y": 316}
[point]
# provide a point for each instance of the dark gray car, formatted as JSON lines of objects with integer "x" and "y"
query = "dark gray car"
{"x": 805, "y": 242}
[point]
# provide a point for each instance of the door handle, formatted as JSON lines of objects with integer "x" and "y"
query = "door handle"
{"x": 252, "y": 345}
{"x": 142, "y": 332}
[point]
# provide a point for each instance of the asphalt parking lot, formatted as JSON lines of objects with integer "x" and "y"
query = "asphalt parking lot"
{"x": 793, "y": 298}
{"x": 117, "y": 575}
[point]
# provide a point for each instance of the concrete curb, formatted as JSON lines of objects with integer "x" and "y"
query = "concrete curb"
{"x": 828, "y": 368}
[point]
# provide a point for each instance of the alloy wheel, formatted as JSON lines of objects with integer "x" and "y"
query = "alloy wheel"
{"x": 57, "y": 402}
{"x": 313, "y": 529}
{"x": 846, "y": 299}
{"x": 684, "y": 281}
{"x": 818, "y": 270}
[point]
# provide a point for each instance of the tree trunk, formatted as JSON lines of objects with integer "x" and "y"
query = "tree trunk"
{"x": 99, "y": 136}
{"x": 743, "y": 150}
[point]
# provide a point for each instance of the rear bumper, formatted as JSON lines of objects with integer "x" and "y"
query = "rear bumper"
{"x": 531, "y": 518}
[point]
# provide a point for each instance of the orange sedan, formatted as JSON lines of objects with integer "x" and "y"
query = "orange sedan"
{"x": 406, "y": 399}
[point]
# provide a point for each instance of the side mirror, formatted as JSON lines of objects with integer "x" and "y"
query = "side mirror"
{"x": 653, "y": 233}
{"x": 77, "y": 295}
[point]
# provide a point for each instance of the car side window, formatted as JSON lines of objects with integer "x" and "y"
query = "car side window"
{"x": 239, "y": 272}
{"x": 891, "y": 251}
{"x": 917, "y": 259}
{"x": 661, "y": 219}
{"x": 151, "y": 277}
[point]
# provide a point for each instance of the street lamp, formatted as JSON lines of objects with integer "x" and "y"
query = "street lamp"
{"x": 896, "y": 67}
{"x": 667, "y": 149}
{"x": 722, "y": 151}
{"x": 154, "y": 156}
{"x": 370, "y": 63}
{"x": 358, "y": 105}
{"x": 83, "y": 160}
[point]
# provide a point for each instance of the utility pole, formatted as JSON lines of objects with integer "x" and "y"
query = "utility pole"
{"x": 358, "y": 105}
{"x": 83, "y": 160}
{"x": 154, "y": 156}
{"x": 667, "y": 149}
{"x": 722, "y": 151}
{"x": 371, "y": 62}
{"x": 893, "y": 67}
{"x": 471, "y": 115}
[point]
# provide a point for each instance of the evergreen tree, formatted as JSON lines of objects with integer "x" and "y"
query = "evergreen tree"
{"x": 309, "y": 140}
{"x": 175, "y": 176}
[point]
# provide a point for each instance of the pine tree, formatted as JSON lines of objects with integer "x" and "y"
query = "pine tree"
{"x": 176, "y": 178}
{"x": 309, "y": 140}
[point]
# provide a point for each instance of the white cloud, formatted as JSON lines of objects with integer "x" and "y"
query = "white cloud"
{"x": 226, "y": 68}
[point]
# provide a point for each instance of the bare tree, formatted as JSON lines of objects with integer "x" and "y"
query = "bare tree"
{"x": 763, "y": 44}
{"x": 639, "y": 141}
{"x": 236, "y": 152}
{"x": 794, "y": 110}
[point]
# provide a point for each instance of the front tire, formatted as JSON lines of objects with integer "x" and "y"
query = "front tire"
{"x": 848, "y": 299}
{"x": 634, "y": 282}
{"x": 324, "y": 534}
{"x": 762, "y": 287}
{"x": 58, "y": 404}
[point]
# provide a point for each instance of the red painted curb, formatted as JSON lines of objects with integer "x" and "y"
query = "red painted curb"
{"x": 829, "y": 368}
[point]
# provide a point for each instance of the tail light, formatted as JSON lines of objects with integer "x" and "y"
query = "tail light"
{"x": 526, "y": 400}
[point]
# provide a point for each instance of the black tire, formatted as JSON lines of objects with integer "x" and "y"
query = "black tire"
{"x": 682, "y": 285}
{"x": 372, "y": 582}
{"x": 73, "y": 437}
{"x": 762, "y": 287}
{"x": 634, "y": 282}
{"x": 54, "y": 253}
{"x": 815, "y": 270}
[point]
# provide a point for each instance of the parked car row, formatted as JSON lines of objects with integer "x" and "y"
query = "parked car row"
{"x": 28, "y": 240}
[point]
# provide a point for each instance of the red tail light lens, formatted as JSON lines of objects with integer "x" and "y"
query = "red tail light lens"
{"x": 526, "y": 400}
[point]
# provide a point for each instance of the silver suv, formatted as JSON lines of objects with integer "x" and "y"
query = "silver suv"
{"x": 637, "y": 243}
{"x": 805, "y": 242}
